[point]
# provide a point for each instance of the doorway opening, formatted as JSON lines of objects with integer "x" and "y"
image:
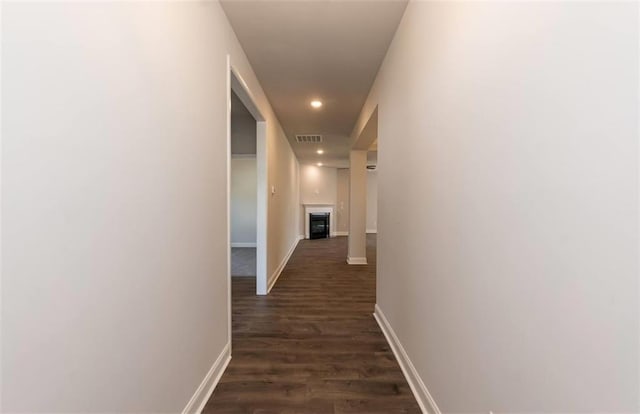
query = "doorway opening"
{"x": 363, "y": 192}
{"x": 244, "y": 191}
{"x": 247, "y": 187}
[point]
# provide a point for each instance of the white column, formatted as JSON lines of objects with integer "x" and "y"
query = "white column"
{"x": 358, "y": 208}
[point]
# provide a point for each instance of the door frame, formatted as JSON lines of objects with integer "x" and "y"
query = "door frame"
{"x": 236, "y": 83}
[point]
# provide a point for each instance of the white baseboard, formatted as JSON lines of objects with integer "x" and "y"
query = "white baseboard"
{"x": 341, "y": 233}
{"x": 357, "y": 260}
{"x": 243, "y": 244}
{"x": 425, "y": 400}
{"x": 371, "y": 231}
{"x": 274, "y": 277}
{"x": 203, "y": 393}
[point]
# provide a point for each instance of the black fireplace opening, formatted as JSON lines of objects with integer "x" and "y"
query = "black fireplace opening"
{"x": 319, "y": 225}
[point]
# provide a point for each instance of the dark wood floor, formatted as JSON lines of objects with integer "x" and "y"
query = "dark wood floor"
{"x": 312, "y": 345}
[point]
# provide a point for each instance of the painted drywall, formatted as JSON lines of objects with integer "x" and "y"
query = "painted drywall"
{"x": 243, "y": 128}
{"x": 508, "y": 203}
{"x": 114, "y": 202}
{"x": 372, "y": 201}
{"x": 284, "y": 201}
{"x": 342, "y": 201}
{"x": 357, "y": 252}
{"x": 244, "y": 200}
{"x": 318, "y": 185}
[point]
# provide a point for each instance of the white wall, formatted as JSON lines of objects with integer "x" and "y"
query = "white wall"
{"x": 318, "y": 185}
{"x": 509, "y": 271}
{"x": 243, "y": 128}
{"x": 357, "y": 245}
{"x": 283, "y": 171}
{"x": 342, "y": 200}
{"x": 372, "y": 201}
{"x": 114, "y": 183}
{"x": 244, "y": 201}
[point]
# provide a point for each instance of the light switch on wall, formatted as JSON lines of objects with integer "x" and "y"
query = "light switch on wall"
{"x": 273, "y": 189}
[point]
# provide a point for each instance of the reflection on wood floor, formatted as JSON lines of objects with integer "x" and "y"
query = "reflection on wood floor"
{"x": 312, "y": 345}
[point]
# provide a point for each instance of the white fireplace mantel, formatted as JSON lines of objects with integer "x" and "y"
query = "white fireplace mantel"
{"x": 319, "y": 208}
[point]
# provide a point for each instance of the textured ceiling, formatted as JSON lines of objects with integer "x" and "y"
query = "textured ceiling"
{"x": 327, "y": 50}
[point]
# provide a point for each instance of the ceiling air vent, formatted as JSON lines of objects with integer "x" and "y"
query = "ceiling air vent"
{"x": 309, "y": 139}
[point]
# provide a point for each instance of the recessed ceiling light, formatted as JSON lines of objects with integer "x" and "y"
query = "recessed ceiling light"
{"x": 320, "y": 151}
{"x": 316, "y": 104}
{"x": 319, "y": 164}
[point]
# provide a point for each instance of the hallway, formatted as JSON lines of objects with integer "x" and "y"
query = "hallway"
{"x": 492, "y": 146}
{"x": 312, "y": 345}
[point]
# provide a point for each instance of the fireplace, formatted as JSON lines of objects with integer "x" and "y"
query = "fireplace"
{"x": 323, "y": 210}
{"x": 319, "y": 224}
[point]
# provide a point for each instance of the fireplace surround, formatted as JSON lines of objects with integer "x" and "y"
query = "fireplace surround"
{"x": 313, "y": 208}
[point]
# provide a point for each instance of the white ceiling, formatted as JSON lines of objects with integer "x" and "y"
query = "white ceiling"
{"x": 327, "y": 50}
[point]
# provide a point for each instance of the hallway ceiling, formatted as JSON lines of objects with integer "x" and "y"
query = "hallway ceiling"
{"x": 305, "y": 50}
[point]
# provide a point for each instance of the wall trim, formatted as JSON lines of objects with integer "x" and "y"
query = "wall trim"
{"x": 244, "y": 244}
{"x": 333, "y": 234}
{"x": 371, "y": 231}
{"x": 274, "y": 277}
{"x": 357, "y": 260}
{"x": 203, "y": 393}
{"x": 244, "y": 156}
{"x": 425, "y": 400}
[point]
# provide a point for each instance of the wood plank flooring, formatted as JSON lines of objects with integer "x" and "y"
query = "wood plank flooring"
{"x": 312, "y": 345}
